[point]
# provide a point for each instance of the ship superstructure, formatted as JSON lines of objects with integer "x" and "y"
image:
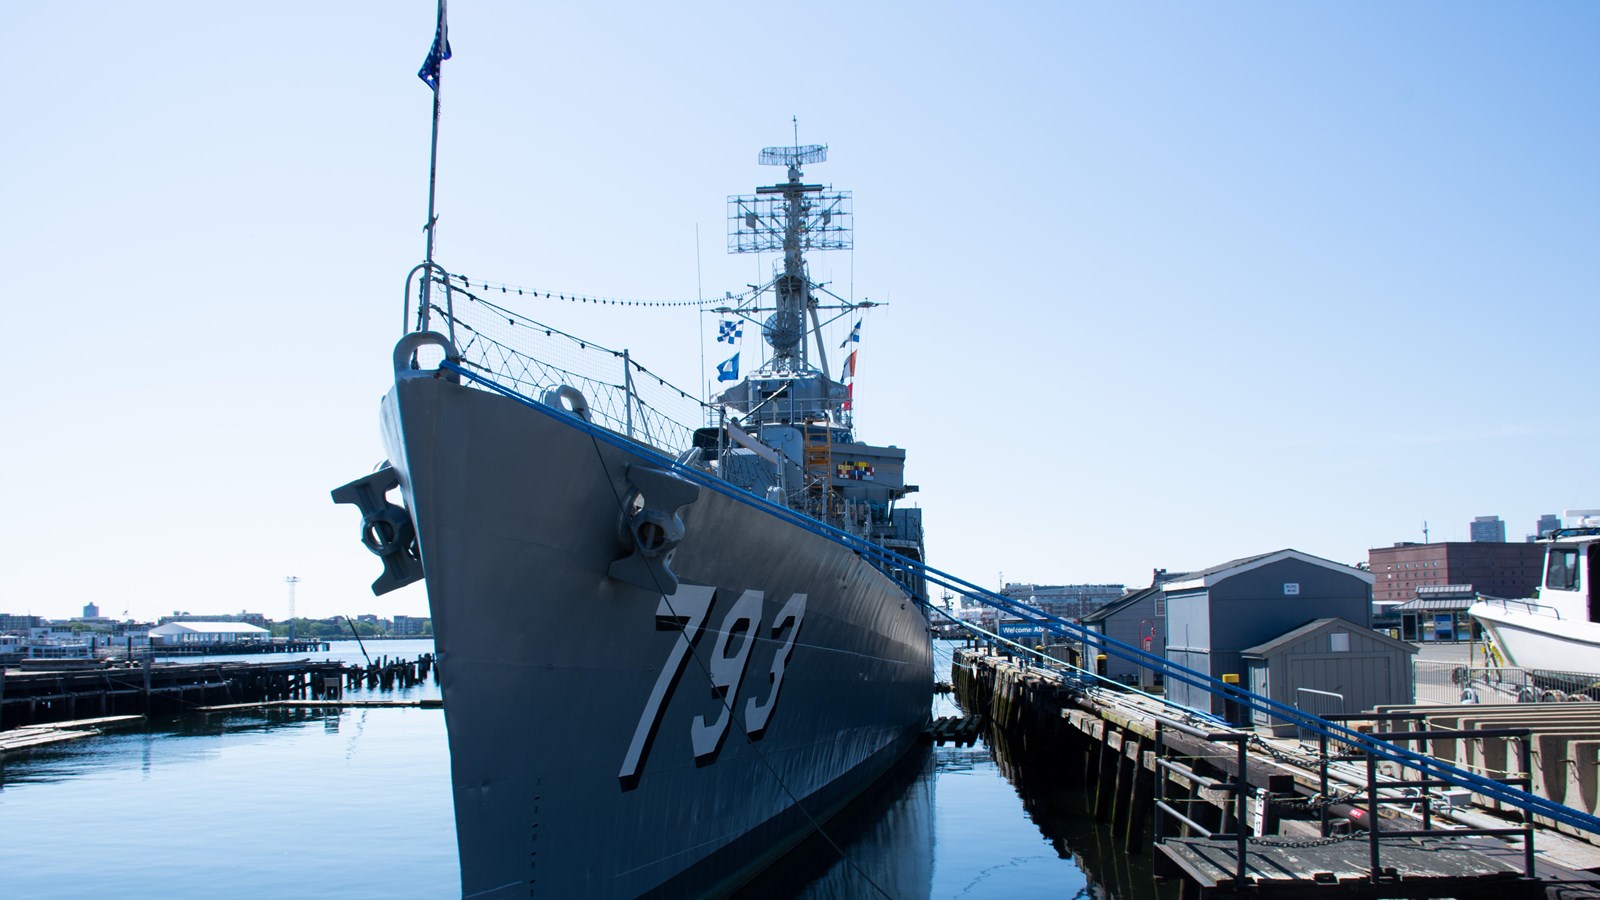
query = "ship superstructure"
{"x": 786, "y": 430}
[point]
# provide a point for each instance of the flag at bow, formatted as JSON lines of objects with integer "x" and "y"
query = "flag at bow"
{"x": 728, "y": 369}
{"x": 437, "y": 54}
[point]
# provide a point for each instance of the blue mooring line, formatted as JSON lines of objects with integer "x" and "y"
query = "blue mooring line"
{"x": 880, "y": 556}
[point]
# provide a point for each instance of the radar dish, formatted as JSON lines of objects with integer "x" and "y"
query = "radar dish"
{"x": 794, "y": 156}
{"x": 783, "y": 330}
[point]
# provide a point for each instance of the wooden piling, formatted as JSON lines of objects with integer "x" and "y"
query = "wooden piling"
{"x": 1140, "y": 796}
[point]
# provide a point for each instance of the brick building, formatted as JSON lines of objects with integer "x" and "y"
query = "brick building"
{"x": 1495, "y": 568}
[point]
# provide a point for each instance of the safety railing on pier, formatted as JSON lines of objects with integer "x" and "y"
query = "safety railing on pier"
{"x": 1322, "y": 704}
{"x": 1239, "y": 787}
{"x": 1390, "y": 808}
{"x": 1445, "y": 682}
{"x": 1418, "y": 795}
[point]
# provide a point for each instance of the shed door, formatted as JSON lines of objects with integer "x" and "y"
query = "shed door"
{"x": 1362, "y": 680}
{"x": 1258, "y": 686}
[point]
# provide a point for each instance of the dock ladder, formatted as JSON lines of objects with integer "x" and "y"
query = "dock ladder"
{"x": 818, "y": 458}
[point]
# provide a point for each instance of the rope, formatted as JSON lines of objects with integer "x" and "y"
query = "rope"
{"x": 517, "y": 320}
{"x": 536, "y": 293}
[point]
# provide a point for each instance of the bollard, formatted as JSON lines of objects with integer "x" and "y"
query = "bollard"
{"x": 1232, "y": 711}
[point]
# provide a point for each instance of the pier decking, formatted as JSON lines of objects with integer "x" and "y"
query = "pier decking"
{"x": 1236, "y": 812}
{"x": 1441, "y": 868}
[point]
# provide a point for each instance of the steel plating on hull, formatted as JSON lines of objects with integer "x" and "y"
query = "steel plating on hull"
{"x": 606, "y": 739}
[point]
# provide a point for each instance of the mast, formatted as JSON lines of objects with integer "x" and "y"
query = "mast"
{"x": 791, "y": 217}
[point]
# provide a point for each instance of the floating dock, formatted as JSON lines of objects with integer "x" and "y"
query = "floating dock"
{"x": 1235, "y": 812}
{"x": 39, "y": 735}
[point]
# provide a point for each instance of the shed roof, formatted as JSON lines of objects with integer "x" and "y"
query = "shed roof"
{"x": 1207, "y": 577}
{"x": 1121, "y": 603}
{"x": 208, "y": 628}
{"x": 1315, "y": 625}
{"x": 1453, "y": 603}
{"x": 1439, "y": 590}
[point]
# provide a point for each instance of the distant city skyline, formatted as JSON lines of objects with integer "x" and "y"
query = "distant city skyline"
{"x": 1544, "y": 523}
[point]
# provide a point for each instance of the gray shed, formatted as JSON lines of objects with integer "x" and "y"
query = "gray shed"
{"x": 1331, "y": 666}
{"x": 1136, "y": 618}
{"x": 1214, "y": 614}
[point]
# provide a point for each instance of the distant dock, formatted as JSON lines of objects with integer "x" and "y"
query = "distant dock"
{"x": 237, "y": 648}
{"x": 71, "y": 693}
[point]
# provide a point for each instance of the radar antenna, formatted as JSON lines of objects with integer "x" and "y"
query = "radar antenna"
{"x": 794, "y": 156}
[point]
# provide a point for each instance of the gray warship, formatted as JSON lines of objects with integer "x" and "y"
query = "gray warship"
{"x": 669, "y": 649}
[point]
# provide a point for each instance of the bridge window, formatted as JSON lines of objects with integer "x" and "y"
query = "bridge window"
{"x": 1561, "y": 572}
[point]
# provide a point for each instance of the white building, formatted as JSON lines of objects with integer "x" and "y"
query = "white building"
{"x": 207, "y": 633}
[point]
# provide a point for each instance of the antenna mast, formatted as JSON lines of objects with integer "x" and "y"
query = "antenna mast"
{"x": 791, "y": 217}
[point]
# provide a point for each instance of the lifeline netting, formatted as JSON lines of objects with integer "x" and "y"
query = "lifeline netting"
{"x": 531, "y": 358}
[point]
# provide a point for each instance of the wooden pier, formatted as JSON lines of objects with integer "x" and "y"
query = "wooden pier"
{"x": 1233, "y": 812}
{"x": 34, "y": 698}
{"x": 233, "y": 648}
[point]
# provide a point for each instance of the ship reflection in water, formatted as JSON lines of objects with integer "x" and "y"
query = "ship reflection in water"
{"x": 945, "y": 824}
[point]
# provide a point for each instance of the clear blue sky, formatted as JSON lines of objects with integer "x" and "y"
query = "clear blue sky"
{"x": 1170, "y": 283}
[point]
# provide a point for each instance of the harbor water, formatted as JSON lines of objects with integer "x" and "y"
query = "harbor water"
{"x": 356, "y": 803}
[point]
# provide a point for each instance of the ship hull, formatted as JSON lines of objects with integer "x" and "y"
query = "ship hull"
{"x": 608, "y": 740}
{"x": 1529, "y": 637}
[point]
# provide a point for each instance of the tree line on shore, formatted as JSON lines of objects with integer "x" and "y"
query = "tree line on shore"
{"x": 339, "y": 629}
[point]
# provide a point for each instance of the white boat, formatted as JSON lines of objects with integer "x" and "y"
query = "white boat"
{"x": 1557, "y": 630}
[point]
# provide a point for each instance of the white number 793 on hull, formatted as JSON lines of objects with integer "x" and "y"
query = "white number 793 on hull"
{"x": 686, "y": 611}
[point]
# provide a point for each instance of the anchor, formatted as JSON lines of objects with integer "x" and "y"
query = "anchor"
{"x": 386, "y": 529}
{"x": 652, "y": 527}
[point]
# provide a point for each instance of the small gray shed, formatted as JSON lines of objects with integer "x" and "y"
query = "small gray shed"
{"x": 1137, "y": 618}
{"x": 1330, "y": 666}
{"x": 1214, "y": 614}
